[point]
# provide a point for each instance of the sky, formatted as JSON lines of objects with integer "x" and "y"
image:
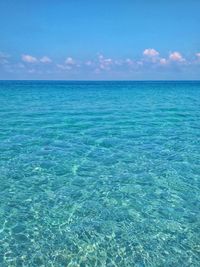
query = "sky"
{"x": 100, "y": 39}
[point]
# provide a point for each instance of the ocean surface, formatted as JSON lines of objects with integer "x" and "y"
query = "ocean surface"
{"x": 99, "y": 174}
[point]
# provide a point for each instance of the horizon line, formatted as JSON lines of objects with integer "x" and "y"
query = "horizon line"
{"x": 61, "y": 80}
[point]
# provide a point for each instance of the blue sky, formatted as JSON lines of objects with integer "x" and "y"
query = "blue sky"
{"x": 100, "y": 39}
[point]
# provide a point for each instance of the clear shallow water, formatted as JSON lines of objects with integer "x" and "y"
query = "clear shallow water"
{"x": 99, "y": 174}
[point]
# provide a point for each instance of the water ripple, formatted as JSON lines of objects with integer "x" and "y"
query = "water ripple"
{"x": 99, "y": 174}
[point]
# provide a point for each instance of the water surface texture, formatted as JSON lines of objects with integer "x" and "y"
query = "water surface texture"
{"x": 99, "y": 174}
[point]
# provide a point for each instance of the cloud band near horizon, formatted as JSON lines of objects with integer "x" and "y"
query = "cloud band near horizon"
{"x": 150, "y": 59}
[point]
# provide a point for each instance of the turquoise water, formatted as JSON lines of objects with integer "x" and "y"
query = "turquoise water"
{"x": 100, "y": 174}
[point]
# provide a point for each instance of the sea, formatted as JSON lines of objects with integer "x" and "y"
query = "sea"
{"x": 99, "y": 173}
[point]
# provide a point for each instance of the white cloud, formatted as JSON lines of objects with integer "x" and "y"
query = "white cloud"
{"x": 32, "y": 59}
{"x": 129, "y": 62}
{"x": 45, "y": 59}
{"x": 198, "y": 55}
{"x": 29, "y": 59}
{"x": 163, "y": 61}
{"x": 68, "y": 64}
{"x": 176, "y": 57}
{"x": 88, "y": 63}
{"x": 118, "y": 62}
{"x": 151, "y": 59}
{"x": 64, "y": 67}
{"x": 151, "y": 52}
{"x": 105, "y": 63}
{"x": 70, "y": 61}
